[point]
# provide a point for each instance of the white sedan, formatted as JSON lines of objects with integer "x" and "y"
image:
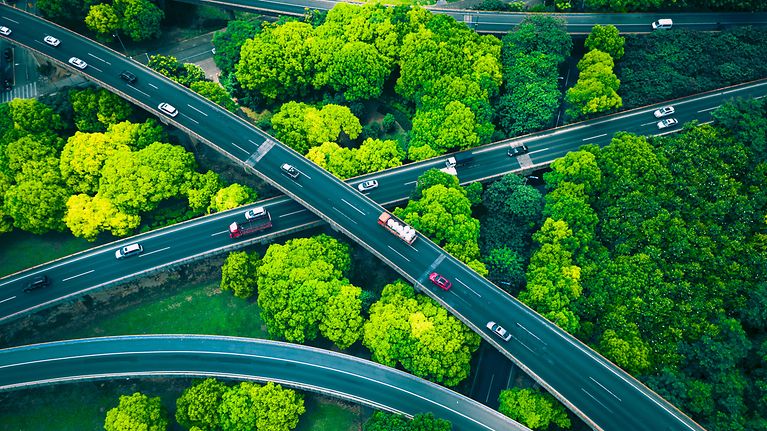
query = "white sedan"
{"x": 5, "y": 31}
{"x": 52, "y": 41}
{"x": 499, "y": 331}
{"x": 368, "y": 185}
{"x": 76, "y": 62}
{"x": 663, "y": 112}
{"x": 668, "y": 122}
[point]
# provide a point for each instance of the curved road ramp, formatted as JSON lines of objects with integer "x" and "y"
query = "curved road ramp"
{"x": 292, "y": 365}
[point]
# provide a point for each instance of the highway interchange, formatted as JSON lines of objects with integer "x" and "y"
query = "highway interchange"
{"x": 596, "y": 389}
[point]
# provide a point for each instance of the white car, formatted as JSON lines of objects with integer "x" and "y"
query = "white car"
{"x": 668, "y": 122}
{"x": 52, "y": 41}
{"x": 76, "y": 62}
{"x": 129, "y": 250}
{"x": 168, "y": 109}
{"x": 367, "y": 185}
{"x": 499, "y": 331}
{"x": 255, "y": 213}
{"x": 663, "y": 112}
{"x": 5, "y": 31}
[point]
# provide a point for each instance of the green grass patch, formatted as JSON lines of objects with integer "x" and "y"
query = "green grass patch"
{"x": 21, "y": 250}
{"x": 200, "y": 308}
{"x": 325, "y": 414}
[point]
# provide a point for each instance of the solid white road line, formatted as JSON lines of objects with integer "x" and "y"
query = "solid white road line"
{"x": 467, "y": 286}
{"x": 603, "y": 387}
{"x": 196, "y": 109}
{"x": 358, "y": 210}
{"x": 594, "y": 137}
{"x": 78, "y": 275}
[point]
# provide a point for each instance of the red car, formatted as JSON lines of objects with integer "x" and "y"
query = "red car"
{"x": 440, "y": 281}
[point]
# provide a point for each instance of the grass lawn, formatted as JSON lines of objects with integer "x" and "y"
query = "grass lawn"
{"x": 199, "y": 308}
{"x": 21, "y": 250}
{"x": 325, "y": 414}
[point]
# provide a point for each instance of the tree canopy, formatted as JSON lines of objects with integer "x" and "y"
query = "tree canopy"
{"x": 135, "y": 412}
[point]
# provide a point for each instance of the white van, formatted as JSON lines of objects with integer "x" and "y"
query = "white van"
{"x": 662, "y": 24}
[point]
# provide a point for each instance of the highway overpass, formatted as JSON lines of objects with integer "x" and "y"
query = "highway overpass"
{"x": 602, "y": 394}
{"x": 301, "y": 367}
{"x": 504, "y": 22}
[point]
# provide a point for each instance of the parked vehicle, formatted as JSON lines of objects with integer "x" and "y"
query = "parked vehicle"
{"x": 403, "y": 231}
{"x": 250, "y": 226}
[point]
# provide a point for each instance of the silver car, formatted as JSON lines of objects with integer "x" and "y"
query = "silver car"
{"x": 366, "y": 186}
{"x": 5, "y": 31}
{"x": 52, "y": 41}
{"x": 499, "y": 331}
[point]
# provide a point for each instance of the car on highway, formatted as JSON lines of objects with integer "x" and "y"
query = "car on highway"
{"x": 290, "y": 170}
{"x": 52, "y": 41}
{"x": 668, "y": 122}
{"x": 366, "y": 186}
{"x": 663, "y": 112}
{"x": 517, "y": 150}
{"x": 36, "y": 283}
{"x": 499, "y": 330}
{"x": 662, "y": 24}
{"x": 5, "y": 31}
{"x": 7, "y": 54}
{"x": 167, "y": 109}
{"x": 440, "y": 281}
{"x": 76, "y": 62}
{"x": 129, "y": 250}
{"x": 255, "y": 213}
{"x": 6, "y": 85}
{"x": 128, "y": 77}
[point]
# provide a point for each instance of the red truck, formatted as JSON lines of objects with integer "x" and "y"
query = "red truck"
{"x": 403, "y": 231}
{"x": 249, "y": 226}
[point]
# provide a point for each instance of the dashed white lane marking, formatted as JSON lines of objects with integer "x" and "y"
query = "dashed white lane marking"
{"x": 243, "y": 149}
{"x": 709, "y": 109}
{"x": 7, "y": 299}
{"x": 595, "y": 399}
{"x": 400, "y": 254}
{"x": 99, "y": 58}
{"x": 11, "y": 20}
{"x": 153, "y": 252}
{"x": 594, "y": 137}
{"x": 154, "y": 86}
{"x": 358, "y": 210}
{"x": 294, "y": 212}
{"x": 603, "y": 387}
{"x": 196, "y": 109}
{"x": 78, "y": 275}
{"x": 467, "y": 286}
{"x": 528, "y": 331}
{"x": 190, "y": 119}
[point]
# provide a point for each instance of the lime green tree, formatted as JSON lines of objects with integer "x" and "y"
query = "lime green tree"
{"x": 414, "y": 331}
{"x": 199, "y": 404}
{"x": 301, "y": 126}
{"x": 533, "y": 408}
{"x": 135, "y": 412}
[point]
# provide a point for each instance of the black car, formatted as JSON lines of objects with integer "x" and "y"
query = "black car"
{"x": 6, "y": 85}
{"x": 128, "y": 77}
{"x": 7, "y": 53}
{"x": 517, "y": 150}
{"x": 36, "y": 283}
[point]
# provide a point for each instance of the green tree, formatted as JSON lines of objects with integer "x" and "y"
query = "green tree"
{"x": 135, "y": 412}
{"x": 229, "y": 42}
{"x": 215, "y": 93}
{"x": 96, "y": 109}
{"x": 202, "y": 190}
{"x": 140, "y": 18}
{"x": 453, "y": 128}
{"x": 32, "y": 116}
{"x": 30, "y": 148}
{"x": 514, "y": 209}
{"x": 444, "y": 215}
{"x": 357, "y": 69}
{"x": 428, "y": 422}
{"x": 83, "y": 157}
{"x": 166, "y": 65}
{"x": 102, "y": 19}
{"x": 248, "y": 406}
{"x": 303, "y": 291}
{"x": 136, "y": 135}
{"x": 533, "y": 408}
{"x": 505, "y": 268}
{"x": 277, "y": 63}
{"x": 88, "y": 216}
{"x": 199, "y": 404}
{"x": 383, "y": 421}
{"x": 412, "y": 330}
{"x": 139, "y": 181}
{"x": 301, "y": 126}
{"x": 230, "y": 197}
{"x": 336, "y": 160}
{"x": 240, "y": 273}
{"x": 37, "y": 202}
{"x": 606, "y": 38}
{"x": 376, "y": 155}
{"x": 431, "y": 178}
{"x": 539, "y": 33}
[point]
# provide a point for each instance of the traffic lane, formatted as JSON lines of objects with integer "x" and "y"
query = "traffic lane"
{"x": 492, "y": 374}
{"x": 240, "y": 359}
{"x": 570, "y": 366}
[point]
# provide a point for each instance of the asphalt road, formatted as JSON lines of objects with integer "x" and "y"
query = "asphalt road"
{"x": 291, "y": 365}
{"x": 503, "y": 22}
{"x": 597, "y": 390}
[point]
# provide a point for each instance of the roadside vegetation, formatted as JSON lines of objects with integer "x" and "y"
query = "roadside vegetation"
{"x": 670, "y": 64}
